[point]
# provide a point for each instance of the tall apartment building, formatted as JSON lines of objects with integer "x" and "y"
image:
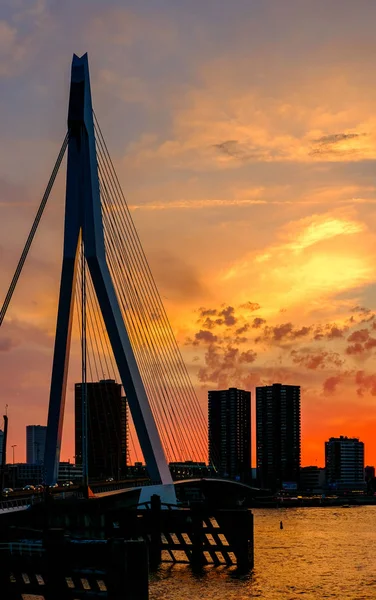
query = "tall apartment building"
{"x": 35, "y": 444}
{"x": 230, "y": 432}
{"x": 107, "y": 428}
{"x": 344, "y": 463}
{"x": 278, "y": 435}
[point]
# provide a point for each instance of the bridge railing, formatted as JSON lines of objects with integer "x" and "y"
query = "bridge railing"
{"x": 23, "y": 548}
{"x": 120, "y": 485}
{"x": 18, "y": 503}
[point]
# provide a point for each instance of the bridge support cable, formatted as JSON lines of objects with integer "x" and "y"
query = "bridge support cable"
{"x": 133, "y": 239}
{"x": 148, "y": 366}
{"x": 148, "y": 308}
{"x": 179, "y": 422}
{"x": 100, "y": 363}
{"x": 151, "y": 348}
{"x": 33, "y": 230}
{"x": 161, "y": 372}
{"x": 140, "y": 347}
{"x": 100, "y": 350}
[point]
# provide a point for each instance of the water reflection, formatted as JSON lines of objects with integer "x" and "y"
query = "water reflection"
{"x": 320, "y": 553}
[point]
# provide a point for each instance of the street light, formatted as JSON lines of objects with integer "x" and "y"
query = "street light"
{"x": 14, "y": 470}
{"x": 13, "y": 447}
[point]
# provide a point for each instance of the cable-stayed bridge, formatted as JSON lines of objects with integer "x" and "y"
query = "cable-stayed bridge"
{"x": 106, "y": 281}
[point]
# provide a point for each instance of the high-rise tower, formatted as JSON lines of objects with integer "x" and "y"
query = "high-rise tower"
{"x": 344, "y": 463}
{"x": 107, "y": 428}
{"x": 278, "y": 435}
{"x": 35, "y": 444}
{"x": 230, "y": 433}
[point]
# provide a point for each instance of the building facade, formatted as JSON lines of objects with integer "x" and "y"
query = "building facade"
{"x": 107, "y": 429}
{"x": 344, "y": 463}
{"x": 22, "y": 474}
{"x": 278, "y": 436}
{"x": 312, "y": 479}
{"x": 230, "y": 433}
{"x": 35, "y": 444}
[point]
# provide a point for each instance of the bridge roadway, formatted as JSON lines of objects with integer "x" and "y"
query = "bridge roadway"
{"x": 23, "y": 499}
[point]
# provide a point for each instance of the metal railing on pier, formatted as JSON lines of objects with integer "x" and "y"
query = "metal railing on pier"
{"x": 16, "y": 504}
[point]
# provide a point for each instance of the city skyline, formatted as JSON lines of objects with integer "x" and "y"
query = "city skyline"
{"x": 277, "y": 439}
{"x": 251, "y": 184}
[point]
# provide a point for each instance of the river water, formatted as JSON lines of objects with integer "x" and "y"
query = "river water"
{"x": 320, "y": 553}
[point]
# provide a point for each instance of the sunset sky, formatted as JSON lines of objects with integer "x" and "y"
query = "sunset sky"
{"x": 244, "y": 135}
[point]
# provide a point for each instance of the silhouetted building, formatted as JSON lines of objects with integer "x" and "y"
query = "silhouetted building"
{"x": 230, "y": 433}
{"x": 278, "y": 436}
{"x": 107, "y": 428}
{"x": 312, "y": 479}
{"x": 69, "y": 472}
{"x": 21, "y": 474}
{"x": 1, "y": 444}
{"x": 370, "y": 480}
{"x": 35, "y": 443}
{"x": 344, "y": 463}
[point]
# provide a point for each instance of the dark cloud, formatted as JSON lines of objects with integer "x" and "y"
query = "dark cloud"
{"x": 240, "y": 150}
{"x": 368, "y": 319}
{"x": 354, "y": 349}
{"x": 248, "y": 357}
{"x": 227, "y": 316}
{"x": 330, "y": 384}
{"x": 334, "y": 138}
{"x": 280, "y": 332}
{"x": 204, "y": 336}
{"x": 370, "y": 343}
{"x": 242, "y": 329}
{"x": 251, "y": 306}
{"x": 365, "y": 383}
{"x": 302, "y": 332}
{"x": 328, "y": 144}
{"x": 229, "y": 147}
{"x": 362, "y": 342}
{"x": 284, "y": 332}
{"x": 207, "y": 312}
{"x": 335, "y": 332}
{"x": 366, "y": 315}
{"x": 225, "y": 366}
{"x": 360, "y": 310}
{"x": 361, "y": 335}
{"x": 316, "y": 360}
{"x": 257, "y": 322}
{"x": 208, "y": 323}
{"x": 329, "y": 331}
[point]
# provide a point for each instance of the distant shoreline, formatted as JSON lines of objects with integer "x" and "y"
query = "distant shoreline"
{"x": 343, "y": 502}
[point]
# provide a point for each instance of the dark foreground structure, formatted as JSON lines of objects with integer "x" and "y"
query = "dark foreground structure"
{"x": 103, "y": 547}
{"x": 57, "y": 568}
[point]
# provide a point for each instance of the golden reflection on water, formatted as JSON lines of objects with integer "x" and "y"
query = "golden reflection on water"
{"x": 320, "y": 553}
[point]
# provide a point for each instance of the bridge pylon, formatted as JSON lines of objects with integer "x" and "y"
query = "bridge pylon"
{"x": 83, "y": 223}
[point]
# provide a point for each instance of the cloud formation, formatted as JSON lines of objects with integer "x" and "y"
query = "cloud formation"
{"x": 241, "y": 188}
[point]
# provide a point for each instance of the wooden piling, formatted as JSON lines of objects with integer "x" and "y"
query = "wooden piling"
{"x": 56, "y": 556}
